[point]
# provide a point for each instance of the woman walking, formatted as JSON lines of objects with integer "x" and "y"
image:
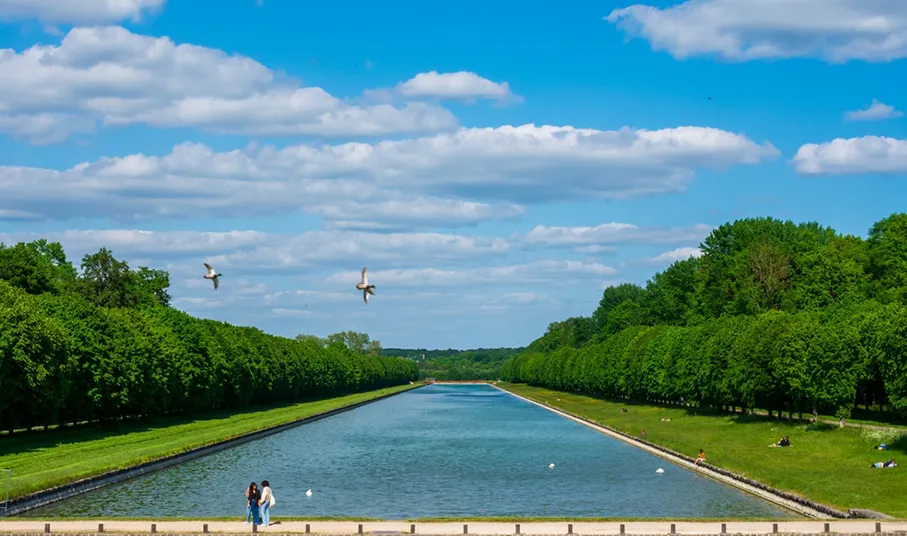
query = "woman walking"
{"x": 253, "y": 496}
{"x": 267, "y": 498}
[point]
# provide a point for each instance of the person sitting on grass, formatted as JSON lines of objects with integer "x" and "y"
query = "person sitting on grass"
{"x": 883, "y": 446}
{"x": 701, "y": 457}
{"x": 881, "y": 465}
{"x": 785, "y": 442}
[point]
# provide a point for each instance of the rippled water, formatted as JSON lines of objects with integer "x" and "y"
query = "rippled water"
{"x": 441, "y": 450}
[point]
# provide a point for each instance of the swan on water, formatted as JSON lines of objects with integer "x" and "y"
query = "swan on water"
{"x": 308, "y": 493}
{"x": 551, "y": 466}
{"x": 659, "y": 470}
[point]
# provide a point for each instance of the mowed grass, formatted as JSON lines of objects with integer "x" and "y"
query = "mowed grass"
{"x": 825, "y": 463}
{"x": 42, "y": 460}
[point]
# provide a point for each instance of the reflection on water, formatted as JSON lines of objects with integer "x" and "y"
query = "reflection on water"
{"x": 441, "y": 450}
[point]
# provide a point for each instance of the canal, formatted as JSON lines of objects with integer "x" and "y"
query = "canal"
{"x": 437, "y": 451}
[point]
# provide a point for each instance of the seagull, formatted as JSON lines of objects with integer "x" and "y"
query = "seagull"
{"x": 364, "y": 286}
{"x": 212, "y": 275}
{"x": 308, "y": 493}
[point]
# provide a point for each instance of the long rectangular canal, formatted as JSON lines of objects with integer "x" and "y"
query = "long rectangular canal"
{"x": 437, "y": 451}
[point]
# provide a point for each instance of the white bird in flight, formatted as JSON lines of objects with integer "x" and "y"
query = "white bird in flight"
{"x": 212, "y": 275}
{"x": 364, "y": 286}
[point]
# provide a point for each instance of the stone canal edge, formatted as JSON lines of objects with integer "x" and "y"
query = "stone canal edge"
{"x": 66, "y": 491}
{"x": 783, "y": 498}
{"x": 634, "y": 528}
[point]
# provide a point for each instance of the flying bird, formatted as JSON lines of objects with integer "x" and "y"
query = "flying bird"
{"x": 212, "y": 275}
{"x": 364, "y": 286}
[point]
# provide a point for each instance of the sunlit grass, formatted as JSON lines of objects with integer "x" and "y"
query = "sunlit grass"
{"x": 826, "y": 464}
{"x": 46, "y": 459}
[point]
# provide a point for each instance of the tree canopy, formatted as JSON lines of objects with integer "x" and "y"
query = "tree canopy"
{"x": 103, "y": 344}
{"x": 771, "y": 315}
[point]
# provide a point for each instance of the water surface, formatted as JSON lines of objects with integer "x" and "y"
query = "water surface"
{"x": 437, "y": 451}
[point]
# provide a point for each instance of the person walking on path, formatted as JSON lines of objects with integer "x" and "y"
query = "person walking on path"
{"x": 253, "y": 496}
{"x": 267, "y": 499}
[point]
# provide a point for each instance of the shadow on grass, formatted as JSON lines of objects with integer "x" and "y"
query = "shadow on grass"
{"x": 739, "y": 417}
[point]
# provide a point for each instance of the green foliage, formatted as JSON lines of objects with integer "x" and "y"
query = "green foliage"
{"x": 36, "y": 267}
{"x": 773, "y": 315}
{"x": 103, "y": 345}
{"x": 457, "y": 365}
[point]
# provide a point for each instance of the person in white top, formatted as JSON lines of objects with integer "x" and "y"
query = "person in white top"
{"x": 267, "y": 497}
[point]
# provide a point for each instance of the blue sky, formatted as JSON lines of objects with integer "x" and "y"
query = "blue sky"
{"x": 495, "y": 166}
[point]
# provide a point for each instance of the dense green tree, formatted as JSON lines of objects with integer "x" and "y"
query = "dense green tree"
{"x": 773, "y": 315}
{"x": 887, "y": 245}
{"x": 37, "y": 267}
{"x": 614, "y": 296}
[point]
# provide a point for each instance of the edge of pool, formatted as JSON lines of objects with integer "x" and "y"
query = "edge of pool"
{"x": 58, "y": 493}
{"x": 779, "y": 497}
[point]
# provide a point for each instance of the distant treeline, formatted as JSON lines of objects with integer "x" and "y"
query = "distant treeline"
{"x": 104, "y": 344}
{"x": 450, "y": 364}
{"x": 773, "y": 315}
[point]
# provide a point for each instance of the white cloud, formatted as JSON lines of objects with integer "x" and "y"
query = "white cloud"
{"x": 79, "y": 11}
{"x": 833, "y": 30}
{"x": 613, "y": 233}
{"x": 253, "y": 251}
{"x": 869, "y": 154}
{"x": 459, "y": 178}
{"x": 462, "y": 85}
{"x": 679, "y": 254}
{"x": 112, "y": 75}
{"x": 877, "y": 110}
{"x": 544, "y": 270}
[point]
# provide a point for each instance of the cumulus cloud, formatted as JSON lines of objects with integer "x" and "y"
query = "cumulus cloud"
{"x": 463, "y": 177}
{"x": 462, "y": 85}
{"x": 869, "y": 154}
{"x": 877, "y": 110}
{"x": 79, "y": 11}
{"x": 532, "y": 272}
{"x": 833, "y": 30}
{"x": 679, "y": 254}
{"x": 117, "y": 77}
{"x": 253, "y": 251}
{"x": 612, "y": 233}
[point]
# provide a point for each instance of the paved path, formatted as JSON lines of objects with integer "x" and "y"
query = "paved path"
{"x": 477, "y": 528}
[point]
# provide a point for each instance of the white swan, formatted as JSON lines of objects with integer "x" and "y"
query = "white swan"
{"x": 659, "y": 470}
{"x": 308, "y": 493}
{"x": 551, "y": 466}
{"x": 364, "y": 286}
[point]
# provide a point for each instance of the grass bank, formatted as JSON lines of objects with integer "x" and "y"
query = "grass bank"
{"x": 47, "y": 459}
{"x": 826, "y": 464}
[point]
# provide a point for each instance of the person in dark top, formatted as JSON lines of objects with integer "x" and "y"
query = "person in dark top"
{"x": 253, "y": 496}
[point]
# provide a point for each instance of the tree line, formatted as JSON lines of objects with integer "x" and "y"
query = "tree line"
{"x": 772, "y": 315}
{"x": 102, "y": 343}
{"x": 451, "y": 364}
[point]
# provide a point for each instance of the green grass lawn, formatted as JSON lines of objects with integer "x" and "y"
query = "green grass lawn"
{"x": 43, "y": 460}
{"x": 825, "y": 463}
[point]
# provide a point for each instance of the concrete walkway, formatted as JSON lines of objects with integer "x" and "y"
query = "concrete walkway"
{"x": 477, "y": 528}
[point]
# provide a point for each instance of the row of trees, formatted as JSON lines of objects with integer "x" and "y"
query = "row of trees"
{"x": 450, "y": 364}
{"x": 772, "y": 315}
{"x": 103, "y": 344}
